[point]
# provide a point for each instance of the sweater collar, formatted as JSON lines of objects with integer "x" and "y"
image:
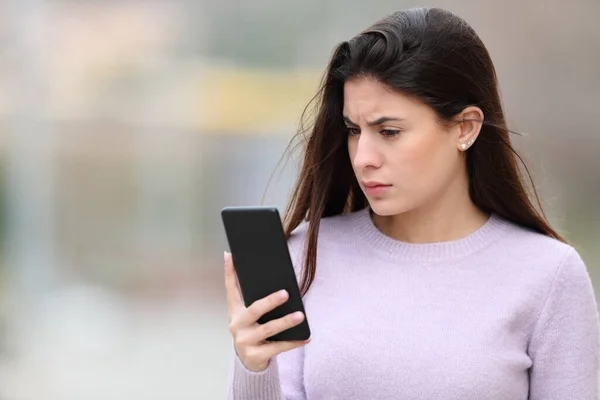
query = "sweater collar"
{"x": 488, "y": 233}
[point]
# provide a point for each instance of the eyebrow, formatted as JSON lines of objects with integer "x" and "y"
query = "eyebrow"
{"x": 378, "y": 121}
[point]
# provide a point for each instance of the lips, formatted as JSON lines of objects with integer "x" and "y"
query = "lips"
{"x": 375, "y": 188}
{"x": 372, "y": 184}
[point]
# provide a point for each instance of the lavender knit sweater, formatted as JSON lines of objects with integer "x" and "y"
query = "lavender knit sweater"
{"x": 503, "y": 314}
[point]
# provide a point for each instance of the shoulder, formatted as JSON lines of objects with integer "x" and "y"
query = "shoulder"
{"x": 329, "y": 227}
{"x": 333, "y": 231}
{"x": 532, "y": 241}
{"x": 540, "y": 253}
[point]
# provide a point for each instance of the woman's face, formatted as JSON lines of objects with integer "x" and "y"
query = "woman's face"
{"x": 396, "y": 142}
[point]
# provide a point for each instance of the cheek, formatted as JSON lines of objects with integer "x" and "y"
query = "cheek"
{"x": 352, "y": 153}
{"x": 351, "y": 149}
{"x": 426, "y": 163}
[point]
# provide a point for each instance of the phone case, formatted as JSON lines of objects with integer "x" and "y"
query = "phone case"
{"x": 263, "y": 264}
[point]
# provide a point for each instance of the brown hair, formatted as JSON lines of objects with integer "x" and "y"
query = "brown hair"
{"x": 432, "y": 55}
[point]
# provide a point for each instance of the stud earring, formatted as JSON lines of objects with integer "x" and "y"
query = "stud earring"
{"x": 463, "y": 146}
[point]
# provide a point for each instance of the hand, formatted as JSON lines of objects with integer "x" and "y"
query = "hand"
{"x": 249, "y": 336}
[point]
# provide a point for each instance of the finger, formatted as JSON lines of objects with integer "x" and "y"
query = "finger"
{"x": 264, "y": 331}
{"x": 271, "y": 349}
{"x": 237, "y": 281}
{"x": 234, "y": 296}
{"x": 263, "y": 306}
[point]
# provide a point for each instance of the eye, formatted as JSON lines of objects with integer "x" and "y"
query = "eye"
{"x": 352, "y": 131}
{"x": 389, "y": 132}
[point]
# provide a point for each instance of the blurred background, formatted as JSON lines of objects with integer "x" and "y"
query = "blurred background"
{"x": 126, "y": 125}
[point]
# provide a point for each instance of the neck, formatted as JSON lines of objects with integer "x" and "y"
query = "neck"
{"x": 452, "y": 217}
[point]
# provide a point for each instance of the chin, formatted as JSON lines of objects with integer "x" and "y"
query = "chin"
{"x": 388, "y": 207}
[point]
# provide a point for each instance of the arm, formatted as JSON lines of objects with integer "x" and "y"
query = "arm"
{"x": 565, "y": 344}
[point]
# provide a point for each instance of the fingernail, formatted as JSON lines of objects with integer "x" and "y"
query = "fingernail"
{"x": 282, "y": 294}
{"x": 225, "y": 256}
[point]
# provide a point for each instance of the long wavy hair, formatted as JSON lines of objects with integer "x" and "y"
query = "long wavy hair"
{"x": 433, "y": 55}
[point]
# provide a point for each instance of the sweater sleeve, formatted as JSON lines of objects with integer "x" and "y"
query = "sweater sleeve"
{"x": 282, "y": 380}
{"x": 565, "y": 344}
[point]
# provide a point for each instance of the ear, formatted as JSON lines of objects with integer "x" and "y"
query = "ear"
{"x": 469, "y": 125}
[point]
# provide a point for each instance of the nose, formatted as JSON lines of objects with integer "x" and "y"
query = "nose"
{"x": 367, "y": 154}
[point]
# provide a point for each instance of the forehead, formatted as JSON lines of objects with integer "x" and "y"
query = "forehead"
{"x": 364, "y": 97}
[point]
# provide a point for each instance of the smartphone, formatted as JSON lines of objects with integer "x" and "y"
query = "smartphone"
{"x": 263, "y": 264}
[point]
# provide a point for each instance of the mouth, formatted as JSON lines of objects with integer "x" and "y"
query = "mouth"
{"x": 375, "y": 188}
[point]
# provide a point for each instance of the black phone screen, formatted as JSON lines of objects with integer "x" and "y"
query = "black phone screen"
{"x": 263, "y": 264}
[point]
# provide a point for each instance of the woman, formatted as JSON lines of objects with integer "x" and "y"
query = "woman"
{"x": 427, "y": 271}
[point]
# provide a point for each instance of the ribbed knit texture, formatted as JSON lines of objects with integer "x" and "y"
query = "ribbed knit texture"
{"x": 502, "y": 314}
